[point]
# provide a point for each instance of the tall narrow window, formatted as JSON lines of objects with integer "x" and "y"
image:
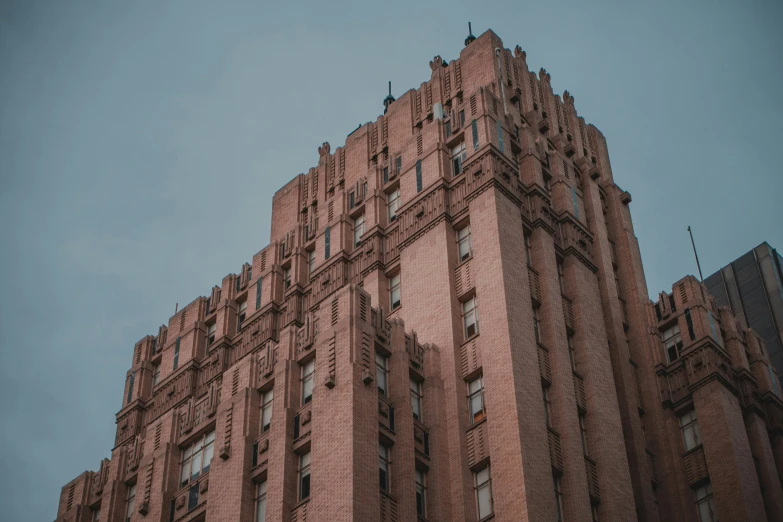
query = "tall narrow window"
{"x": 130, "y": 501}
{"x": 327, "y": 241}
{"x": 197, "y": 458}
{"x": 672, "y": 342}
{"x": 258, "y": 293}
{"x": 458, "y": 156}
{"x": 527, "y": 250}
{"x": 382, "y": 373}
{"x": 418, "y": 176}
{"x": 241, "y": 314}
{"x": 583, "y": 433}
{"x": 261, "y": 502}
{"x": 308, "y": 378}
{"x": 690, "y": 430}
{"x": 131, "y": 382}
{"x": 470, "y": 317}
{"x": 310, "y": 262}
{"x": 474, "y": 127}
{"x": 176, "y": 353}
{"x": 571, "y": 356}
{"x": 558, "y": 499}
{"x": 211, "y": 333}
{"x": 304, "y": 476}
{"x": 416, "y": 399}
{"x": 398, "y": 165}
{"x": 421, "y": 493}
{"x": 393, "y": 203}
{"x": 394, "y": 291}
{"x": 358, "y": 230}
{"x": 465, "y": 242}
{"x": 384, "y": 467}
{"x": 560, "y": 278}
{"x": 536, "y": 325}
{"x": 705, "y": 504}
{"x": 287, "y": 278}
{"x": 266, "y": 410}
{"x": 155, "y": 374}
{"x": 96, "y": 515}
{"x": 483, "y": 481}
{"x": 547, "y": 179}
{"x": 462, "y": 118}
{"x": 547, "y": 407}
{"x": 476, "y": 399}
{"x": 500, "y": 138}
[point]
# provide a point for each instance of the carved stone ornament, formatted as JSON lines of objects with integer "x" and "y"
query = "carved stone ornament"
{"x": 519, "y": 53}
{"x": 203, "y": 486}
{"x": 180, "y": 502}
{"x": 263, "y": 446}
{"x": 436, "y": 63}
{"x": 383, "y": 408}
{"x": 307, "y": 417}
{"x": 567, "y": 98}
{"x": 324, "y": 149}
{"x": 225, "y": 452}
{"x": 418, "y": 434}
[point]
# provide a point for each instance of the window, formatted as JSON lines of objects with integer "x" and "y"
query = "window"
{"x": 176, "y": 353}
{"x": 385, "y": 175}
{"x": 690, "y": 430}
{"x": 500, "y": 138}
{"x": 241, "y": 314}
{"x": 421, "y": 493}
{"x": 327, "y": 241}
{"x": 211, "y": 331}
{"x": 476, "y": 399}
{"x": 308, "y": 378}
{"x": 418, "y": 176}
{"x": 570, "y": 343}
{"x": 483, "y": 482}
{"x": 560, "y": 277}
{"x": 394, "y": 290}
{"x": 527, "y": 250}
{"x": 130, "y": 501}
{"x": 448, "y": 128}
{"x": 249, "y": 273}
{"x": 310, "y": 262}
{"x": 304, "y": 476}
{"x": 547, "y": 407}
{"x": 462, "y": 118}
{"x": 393, "y": 203}
{"x": 96, "y": 515}
{"x": 266, "y": 410}
{"x": 258, "y": 293}
{"x": 381, "y": 373}
{"x": 465, "y": 243}
{"x": 384, "y": 467}
{"x": 547, "y": 178}
{"x": 474, "y": 128}
{"x": 130, "y": 386}
{"x": 705, "y": 503}
{"x": 470, "y": 317}
{"x": 398, "y": 165}
{"x": 358, "y": 230}
{"x": 536, "y": 325}
{"x": 558, "y": 499}
{"x": 261, "y": 502}
{"x": 196, "y": 458}
{"x": 155, "y": 374}
{"x": 457, "y": 158}
{"x": 286, "y": 278}
{"x": 416, "y": 399}
{"x": 583, "y": 433}
{"x": 672, "y": 342}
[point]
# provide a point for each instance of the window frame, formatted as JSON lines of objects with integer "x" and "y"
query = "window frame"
{"x": 307, "y": 378}
{"x": 310, "y": 263}
{"x": 421, "y": 493}
{"x": 709, "y": 499}
{"x": 302, "y": 474}
{"x": 486, "y": 484}
{"x": 689, "y": 425}
{"x": 417, "y": 399}
{"x": 672, "y": 339}
{"x": 470, "y": 309}
{"x": 393, "y": 204}
{"x": 462, "y": 240}
{"x": 212, "y": 333}
{"x": 155, "y": 374}
{"x": 481, "y": 414}
{"x": 241, "y": 314}
{"x": 384, "y": 466}
{"x": 267, "y": 408}
{"x": 458, "y": 155}
{"x": 130, "y": 501}
{"x": 395, "y": 287}
{"x": 382, "y": 370}
{"x": 260, "y": 499}
{"x": 206, "y": 445}
{"x": 358, "y": 229}
{"x": 286, "y": 278}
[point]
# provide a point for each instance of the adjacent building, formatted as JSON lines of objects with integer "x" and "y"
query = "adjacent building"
{"x": 752, "y": 287}
{"x": 450, "y": 323}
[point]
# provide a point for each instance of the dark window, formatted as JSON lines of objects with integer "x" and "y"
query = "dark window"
{"x": 399, "y": 164}
{"x": 238, "y": 281}
{"x": 689, "y": 320}
{"x": 350, "y": 200}
{"x": 448, "y": 129}
{"x": 385, "y": 175}
{"x": 130, "y": 386}
{"x": 258, "y": 293}
{"x": 193, "y": 497}
{"x": 461, "y": 118}
{"x": 327, "y": 241}
{"x": 671, "y": 303}
{"x": 474, "y": 126}
{"x": 418, "y": 176}
{"x": 249, "y": 273}
{"x": 500, "y": 137}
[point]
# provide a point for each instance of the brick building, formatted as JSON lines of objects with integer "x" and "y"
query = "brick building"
{"x": 450, "y": 323}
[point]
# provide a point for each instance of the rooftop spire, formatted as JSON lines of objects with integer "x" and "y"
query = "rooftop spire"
{"x": 470, "y": 37}
{"x": 388, "y": 100}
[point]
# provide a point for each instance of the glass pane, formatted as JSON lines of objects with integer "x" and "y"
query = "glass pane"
{"x": 195, "y": 468}
{"x": 475, "y": 404}
{"x": 484, "y": 504}
{"x": 304, "y": 487}
{"x": 210, "y": 437}
{"x": 261, "y": 510}
{"x": 304, "y": 460}
{"x": 482, "y": 476}
{"x": 208, "y": 452}
{"x": 185, "y": 473}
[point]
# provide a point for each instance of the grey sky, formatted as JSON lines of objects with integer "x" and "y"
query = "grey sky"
{"x": 141, "y": 143}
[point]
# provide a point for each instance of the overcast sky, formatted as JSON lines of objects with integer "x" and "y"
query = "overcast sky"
{"x": 141, "y": 143}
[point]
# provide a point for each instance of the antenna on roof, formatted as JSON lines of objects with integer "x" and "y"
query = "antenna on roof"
{"x": 388, "y": 100}
{"x": 470, "y": 37}
{"x": 698, "y": 265}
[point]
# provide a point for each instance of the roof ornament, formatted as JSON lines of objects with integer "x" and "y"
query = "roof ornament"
{"x": 388, "y": 100}
{"x": 470, "y": 37}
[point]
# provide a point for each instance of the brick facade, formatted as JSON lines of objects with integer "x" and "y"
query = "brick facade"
{"x": 497, "y": 277}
